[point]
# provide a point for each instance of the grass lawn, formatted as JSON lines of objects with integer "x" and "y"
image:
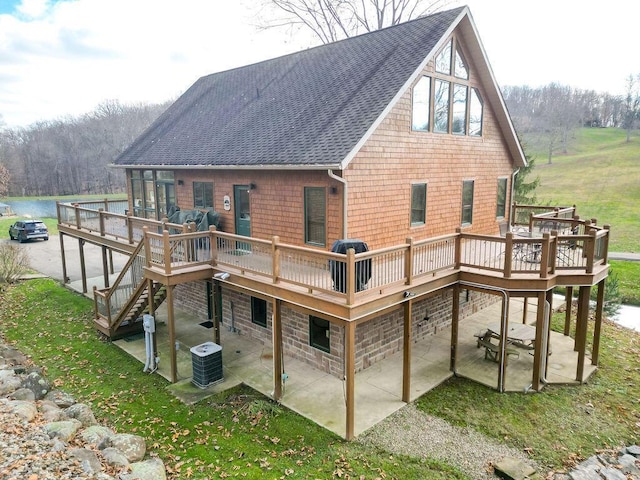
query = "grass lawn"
{"x": 236, "y": 434}
{"x": 601, "y": 176}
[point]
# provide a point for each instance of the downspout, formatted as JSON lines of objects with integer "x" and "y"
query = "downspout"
{"x": 344, "y": 200}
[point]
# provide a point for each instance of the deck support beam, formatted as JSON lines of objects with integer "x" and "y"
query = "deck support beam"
{"x": 581, "y": 330}
{"x": 65, "y": 277}
{"x": 598, "y": 323}
{"x": 105, "y": 267}
{"x": 173, "y": 357}
{"x": 350, "y": 367}
{"x": 568, "y": 298}
{"x": 455, "y": 317}
{"x": 276, "y": 327}
{"x": 83, "y": 269}
{"x": 502, "y": 366}
{"x": 406, "y": 353}
{"x": 536, "y": 381}
{"x": 217, "y": 310}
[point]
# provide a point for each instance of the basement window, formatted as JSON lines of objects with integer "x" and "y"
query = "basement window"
{"x": 259, "y": 311}
{"x": 319, "y": 333}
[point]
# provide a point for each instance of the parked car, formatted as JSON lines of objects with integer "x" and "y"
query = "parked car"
{"x": 24, "y": 230}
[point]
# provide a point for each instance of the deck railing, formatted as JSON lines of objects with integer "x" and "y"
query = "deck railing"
{"x": 120, "y": 226}
{"x": 571, "y": 244}
{"x": 109, "y": 302}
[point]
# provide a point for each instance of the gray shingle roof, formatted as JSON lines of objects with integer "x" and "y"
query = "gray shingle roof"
{"x": 305, "y": 109}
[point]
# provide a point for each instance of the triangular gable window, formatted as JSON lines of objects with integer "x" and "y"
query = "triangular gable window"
{"x": 443, "y": 60}
{"x": 447, "y": 102}
{"x": 460, "y": 66}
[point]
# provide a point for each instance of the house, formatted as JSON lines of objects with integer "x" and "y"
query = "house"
{"x": 398, "y": 139}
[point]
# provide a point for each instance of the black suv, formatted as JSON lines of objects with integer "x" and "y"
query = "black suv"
{"x": 24, "y": 230}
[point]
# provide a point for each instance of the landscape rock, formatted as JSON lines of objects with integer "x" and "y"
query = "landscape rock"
{"x": 65, "y": 430}
{"x": 88, "y": 460}
{"x": 47, "y": 434}
{"x": 37, "y": 383}
{"x": 513, "y": 468}
{"x": 152, "y": 469}
{"x": 82, "y": 413}
{"x": 9, "y": 382}
{"x": 132, "y": 446}
{"x": 23, "y": 394}
{"x": 24, "y": 409}
{"x": 95, "y": 434}
{"x": 115, "y": 457}
{"x": 60, "y": 398}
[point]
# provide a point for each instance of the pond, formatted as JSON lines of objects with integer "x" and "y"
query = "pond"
{"x": 42, "y": 208}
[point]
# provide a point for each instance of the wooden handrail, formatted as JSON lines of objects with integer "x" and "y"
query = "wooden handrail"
{"x": 594, "y": 242}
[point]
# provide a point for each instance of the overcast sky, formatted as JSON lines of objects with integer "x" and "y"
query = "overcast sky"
{"x": 64, "y": 57}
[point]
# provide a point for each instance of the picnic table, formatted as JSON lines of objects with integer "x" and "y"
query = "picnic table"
{"x": 518, "y": 336}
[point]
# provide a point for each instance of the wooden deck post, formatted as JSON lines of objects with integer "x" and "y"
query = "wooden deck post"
{"x": 545, "y": 255}
{"x": 105, "y": 267}
{"x": 406, "y": 352}
{"x": 581, "y": 330}
{"x": 130, "y": 227}
{"x": 502, "y": 370}
{"x": 83, "y": 269}
{"x": 101, "y": 221}
{"x": 350, "y": 372}
{"x": 536, "y": 380}
{"x": 65, "y": 277}
{"x": 351, "y": 276}
{"x": 568, "y": 298}
{"x": 213, "y": 245}
{"x": 217, "y": 310}
{"x": 455, "y": 317}
{"x": 408, "y": 262}
{"x": 276, "y": 328}
{"x": 152, "y": 312}
{"x": 275, "y": 258}
{"x": 595, "y": 350}
{"x": 508, "y": 254}
{"x": 166, "y": 247}
{"x": 173, "y": 356}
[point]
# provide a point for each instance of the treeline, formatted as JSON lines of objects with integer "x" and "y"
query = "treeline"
{"x": 547, "y": 117}
{"x": 70, "y": 156}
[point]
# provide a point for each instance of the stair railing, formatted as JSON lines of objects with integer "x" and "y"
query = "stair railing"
{"x": 109, "y": 303}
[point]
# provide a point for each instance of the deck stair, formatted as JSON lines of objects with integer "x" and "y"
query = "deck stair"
{"x": 119, "y": 309}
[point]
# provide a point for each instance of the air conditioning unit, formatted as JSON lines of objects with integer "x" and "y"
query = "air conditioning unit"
{"x": 206, "y": 360}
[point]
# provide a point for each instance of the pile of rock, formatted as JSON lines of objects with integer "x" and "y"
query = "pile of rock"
{"x": 46, "y": 434}
{"x": 611, "y": 465}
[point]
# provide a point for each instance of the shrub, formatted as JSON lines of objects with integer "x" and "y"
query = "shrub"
{"x": 14, "y": 262}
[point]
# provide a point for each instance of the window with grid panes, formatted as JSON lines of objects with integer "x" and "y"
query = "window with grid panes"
{"x": 418, "y": 204}
{"x": 315, "y": 216}
{"x": 202, "y": 194}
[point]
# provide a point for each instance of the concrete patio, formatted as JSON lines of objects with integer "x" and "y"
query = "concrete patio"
{"x": 321, "y": 397}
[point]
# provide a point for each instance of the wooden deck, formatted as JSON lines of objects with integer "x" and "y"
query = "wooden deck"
{"x": 301, "y": 275}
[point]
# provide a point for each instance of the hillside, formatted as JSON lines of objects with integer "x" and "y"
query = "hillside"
{"x": 601, "y": 176}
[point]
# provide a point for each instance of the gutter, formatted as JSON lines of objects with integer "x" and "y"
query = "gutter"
{"x": 344, "y": 200}
{"x": 225, "y": 167}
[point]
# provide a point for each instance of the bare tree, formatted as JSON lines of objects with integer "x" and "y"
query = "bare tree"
{"x": 70, "y": 156}
{"x": 332, "y": 20}
{"x": 4, "y": 180}
{"x": 631, "y": 105}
